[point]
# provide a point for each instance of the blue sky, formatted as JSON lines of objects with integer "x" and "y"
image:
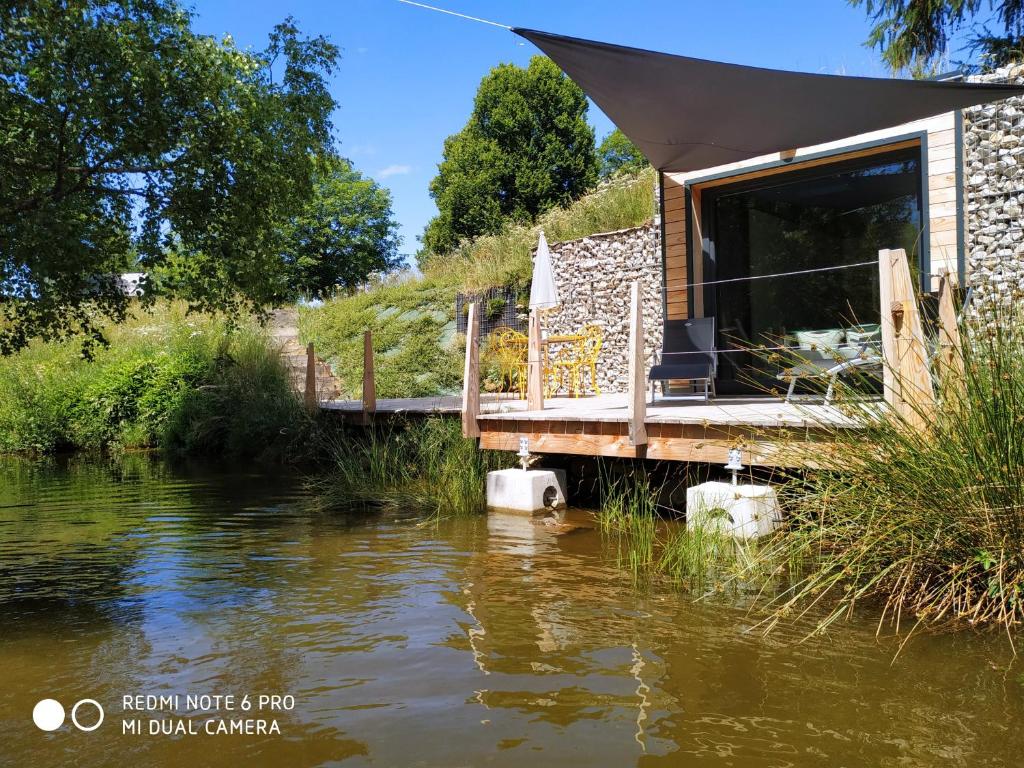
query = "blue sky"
{"x": 408, "y": 76}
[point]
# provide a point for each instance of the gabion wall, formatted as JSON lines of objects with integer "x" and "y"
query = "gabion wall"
{"x": 994, "y": 180}
{"x": 593, "y": 276}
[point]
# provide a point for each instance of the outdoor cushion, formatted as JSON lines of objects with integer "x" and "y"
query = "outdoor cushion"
{"x": 824, "y": 339}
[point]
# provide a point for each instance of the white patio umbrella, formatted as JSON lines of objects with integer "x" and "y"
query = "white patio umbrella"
{"x": 543, "y": 296}
{"x": 543, "y": 291}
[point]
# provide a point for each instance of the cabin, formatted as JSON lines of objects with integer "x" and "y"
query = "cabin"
{"x": 809, "y": 208}
{"x": 789, "y": 204}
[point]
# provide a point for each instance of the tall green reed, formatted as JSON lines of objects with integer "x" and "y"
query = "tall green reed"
{"x": 926, "y": 524}
{"x": 420, "y": 465}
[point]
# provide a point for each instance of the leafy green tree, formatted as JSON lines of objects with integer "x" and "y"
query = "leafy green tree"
{"x": 912, "y": 34}
{"x": 617, "y": 154}
{"x": 345, "y": 232}
{"x": 126, "y": 137}
{"x": 527, "y": 147}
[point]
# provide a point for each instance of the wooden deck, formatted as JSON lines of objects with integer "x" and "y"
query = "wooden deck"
{"x": 678, "y": 429}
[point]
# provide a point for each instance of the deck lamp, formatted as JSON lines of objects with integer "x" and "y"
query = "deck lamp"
{"x": 524, "y": 452}
{"x": 735, "y": 462}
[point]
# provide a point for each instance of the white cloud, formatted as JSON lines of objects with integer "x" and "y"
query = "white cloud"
{"x": 394, "y": 170}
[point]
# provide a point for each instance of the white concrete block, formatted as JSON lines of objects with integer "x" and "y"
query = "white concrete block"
{"x": 743, "y": 511}
{"x": 529, "y": 491}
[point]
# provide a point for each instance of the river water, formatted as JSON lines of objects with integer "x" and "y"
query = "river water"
{"x": 490, "y": 641}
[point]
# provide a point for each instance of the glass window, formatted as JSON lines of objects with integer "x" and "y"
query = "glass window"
{"x": 804, "y": 220}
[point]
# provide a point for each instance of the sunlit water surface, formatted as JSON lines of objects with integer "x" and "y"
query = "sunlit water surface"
{"x": 404, "y": 643}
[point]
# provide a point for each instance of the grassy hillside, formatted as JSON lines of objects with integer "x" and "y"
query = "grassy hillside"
{"x": 417, "y": 352}
{"x": 415, "y": 347}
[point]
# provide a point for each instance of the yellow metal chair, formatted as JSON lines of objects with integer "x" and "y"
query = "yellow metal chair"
{"x": 582, "y": 360}
{"x": 511, "y": 346}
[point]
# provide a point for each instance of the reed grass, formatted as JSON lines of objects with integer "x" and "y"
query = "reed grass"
{"x": 927, "y": 524}
{"x": 416, "y": 465}
{"x": 651, "y": 540}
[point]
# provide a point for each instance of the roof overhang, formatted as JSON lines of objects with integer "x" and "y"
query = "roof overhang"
{"x": 689, "y": 114}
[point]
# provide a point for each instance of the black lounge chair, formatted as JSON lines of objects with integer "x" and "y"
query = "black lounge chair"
{"x": 687, "y": 353}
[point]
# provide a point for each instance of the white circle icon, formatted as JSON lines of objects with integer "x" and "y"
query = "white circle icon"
{"x": 74, "y": 715}
{"x": 48, "y": 715}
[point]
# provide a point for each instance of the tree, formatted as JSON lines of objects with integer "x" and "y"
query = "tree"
{"x": 912, "y": 34}
{"x": 344, "y": 232}
{"x": 127, "y": 139}
{"x": 527, "y": 147}
{"x": 617, "y": 154}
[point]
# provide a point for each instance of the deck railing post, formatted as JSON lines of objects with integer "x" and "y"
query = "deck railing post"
{"x": 535, "y": 366}
{"x": 369, "y": 379}
{"x": 637, "y": 405}
{"x": 471, "y": 375}
{"x": 309, "y": 396}
{"x": 950, "y": 358}
{"x": 907, "y": 381}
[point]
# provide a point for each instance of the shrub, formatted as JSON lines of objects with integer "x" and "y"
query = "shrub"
{"x": 182, "y": 383}
{"x": 495, "y": 306}
{"x": 245, "y": 407}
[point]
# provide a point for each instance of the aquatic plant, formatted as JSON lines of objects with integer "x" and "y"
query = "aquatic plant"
{"x": 628, "y": 512}
{"x": 422, "y": 465}
{"x": 651, "y": 539}
{"x": 928, "y": 523}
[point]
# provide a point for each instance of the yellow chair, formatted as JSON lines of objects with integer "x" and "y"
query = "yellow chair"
{"x": 513, "y": 350}
{"x": 511, "y": 347}
{"x": 583, "y": 359}
{"x": 590, "y": 348}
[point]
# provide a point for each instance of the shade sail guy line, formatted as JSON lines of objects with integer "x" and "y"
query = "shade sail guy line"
{"x": 454, "y": 13}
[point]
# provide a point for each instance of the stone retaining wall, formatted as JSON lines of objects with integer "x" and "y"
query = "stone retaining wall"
{"x": 994, "y": 194}
{"x": 593, "y": 276}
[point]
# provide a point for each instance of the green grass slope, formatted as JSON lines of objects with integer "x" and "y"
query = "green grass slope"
{"x": 416, "y": 350}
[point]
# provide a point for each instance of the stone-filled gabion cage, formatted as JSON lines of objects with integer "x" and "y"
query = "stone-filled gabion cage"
{"x": 994, "y": 193}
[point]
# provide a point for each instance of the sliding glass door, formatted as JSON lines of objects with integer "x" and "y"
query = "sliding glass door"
{"x": 808, "y": 222}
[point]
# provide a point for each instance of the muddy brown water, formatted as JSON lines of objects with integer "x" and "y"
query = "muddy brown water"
{"x": 467, "y": 642}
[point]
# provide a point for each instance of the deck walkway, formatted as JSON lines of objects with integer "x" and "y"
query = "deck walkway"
{"x": 678, "y": 429}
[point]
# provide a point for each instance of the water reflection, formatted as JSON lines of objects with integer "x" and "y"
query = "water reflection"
{"x": 494, "y": 640}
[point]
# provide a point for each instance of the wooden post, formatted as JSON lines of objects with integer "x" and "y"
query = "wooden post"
{"x": 369, "y": 380}
{"x": 471, "y": 375}
{"x": 309, "y": 397}
{"x": 637, "y": 403}
{"x": 907, "y": 381}
{"x": 535, "y": 366}
{"x": 950, "y": 359}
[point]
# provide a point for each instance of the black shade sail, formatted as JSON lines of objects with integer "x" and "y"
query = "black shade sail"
{"x": 689, "y": 114}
